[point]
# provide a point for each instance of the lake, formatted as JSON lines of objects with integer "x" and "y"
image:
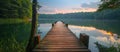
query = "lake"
{"x": 104, "y": 32}
{"x": 14, "y": 37}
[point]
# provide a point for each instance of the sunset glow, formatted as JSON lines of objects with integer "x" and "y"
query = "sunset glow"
{"x": 89, "y": 29}
{"x": 67, "y": 6}
{"x": 73, "y": 11}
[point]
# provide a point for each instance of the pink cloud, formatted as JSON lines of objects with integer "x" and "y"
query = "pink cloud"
{"x": 50, "y": 10}
{"x": 63, "y": 11}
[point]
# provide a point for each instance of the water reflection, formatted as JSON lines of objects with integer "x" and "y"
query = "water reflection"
{"x": 43, "y": 29}
{"x": 96, "y": 35}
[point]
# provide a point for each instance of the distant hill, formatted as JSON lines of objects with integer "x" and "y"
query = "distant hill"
{"x": 108, "y": 14}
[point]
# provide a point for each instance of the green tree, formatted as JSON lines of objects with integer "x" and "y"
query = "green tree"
{"x": 109, "y": 4}
{"x": 15, "y": 9}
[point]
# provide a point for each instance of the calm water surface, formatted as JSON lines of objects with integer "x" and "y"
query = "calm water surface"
{"x": 96, "y": 35}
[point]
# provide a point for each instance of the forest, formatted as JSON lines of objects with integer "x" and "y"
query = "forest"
{"x": 23, "y": 9}
{"x": 15, "y": 9}
{"x": 108, "y": 14}
{"x": 14, "y": 33}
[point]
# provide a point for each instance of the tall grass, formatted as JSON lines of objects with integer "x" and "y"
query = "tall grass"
{"x": 13, "y": 20}
{"x": 12, "y": 45}
{"x": 14, "y": 37}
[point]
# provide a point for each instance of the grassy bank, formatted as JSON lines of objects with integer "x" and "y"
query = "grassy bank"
{"x": 13, "y": 20}
{"x": 11, "y": 45}
{"x": 14, "y": 36}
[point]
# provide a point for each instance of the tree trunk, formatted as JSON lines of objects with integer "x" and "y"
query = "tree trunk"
{"x": 30, "y": 45}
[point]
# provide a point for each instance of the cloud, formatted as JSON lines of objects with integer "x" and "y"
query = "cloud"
{"x": 63, "y": 11}
{"x": 46, "y": 10}
{"x": 90, "y": 5}
{"x": 84, "y": 7}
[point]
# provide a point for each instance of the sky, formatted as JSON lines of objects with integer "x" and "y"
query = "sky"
{"x": 67, "y": 6}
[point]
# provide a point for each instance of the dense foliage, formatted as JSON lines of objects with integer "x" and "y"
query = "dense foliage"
{"x": 14, "y": 34}
{"x": 107, "y": 49}
{"x": 109, "y": 4}
{"x": 101, "y": 15}
{"x": 15, "y": 8}
{"x": 14, "y": 37}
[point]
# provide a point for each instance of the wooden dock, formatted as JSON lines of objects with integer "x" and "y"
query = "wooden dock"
{"x": 60, "y": 39}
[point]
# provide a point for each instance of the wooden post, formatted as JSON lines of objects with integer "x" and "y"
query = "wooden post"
{"x": 36, "y": 40}
{"x": 66, "y": 25}
{"x": 84, "y": 39}
{"x": 52, "y": 24}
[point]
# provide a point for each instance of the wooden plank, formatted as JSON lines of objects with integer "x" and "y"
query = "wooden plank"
{"x": 61, "y": 50}
{"x": 60, "y": 39}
